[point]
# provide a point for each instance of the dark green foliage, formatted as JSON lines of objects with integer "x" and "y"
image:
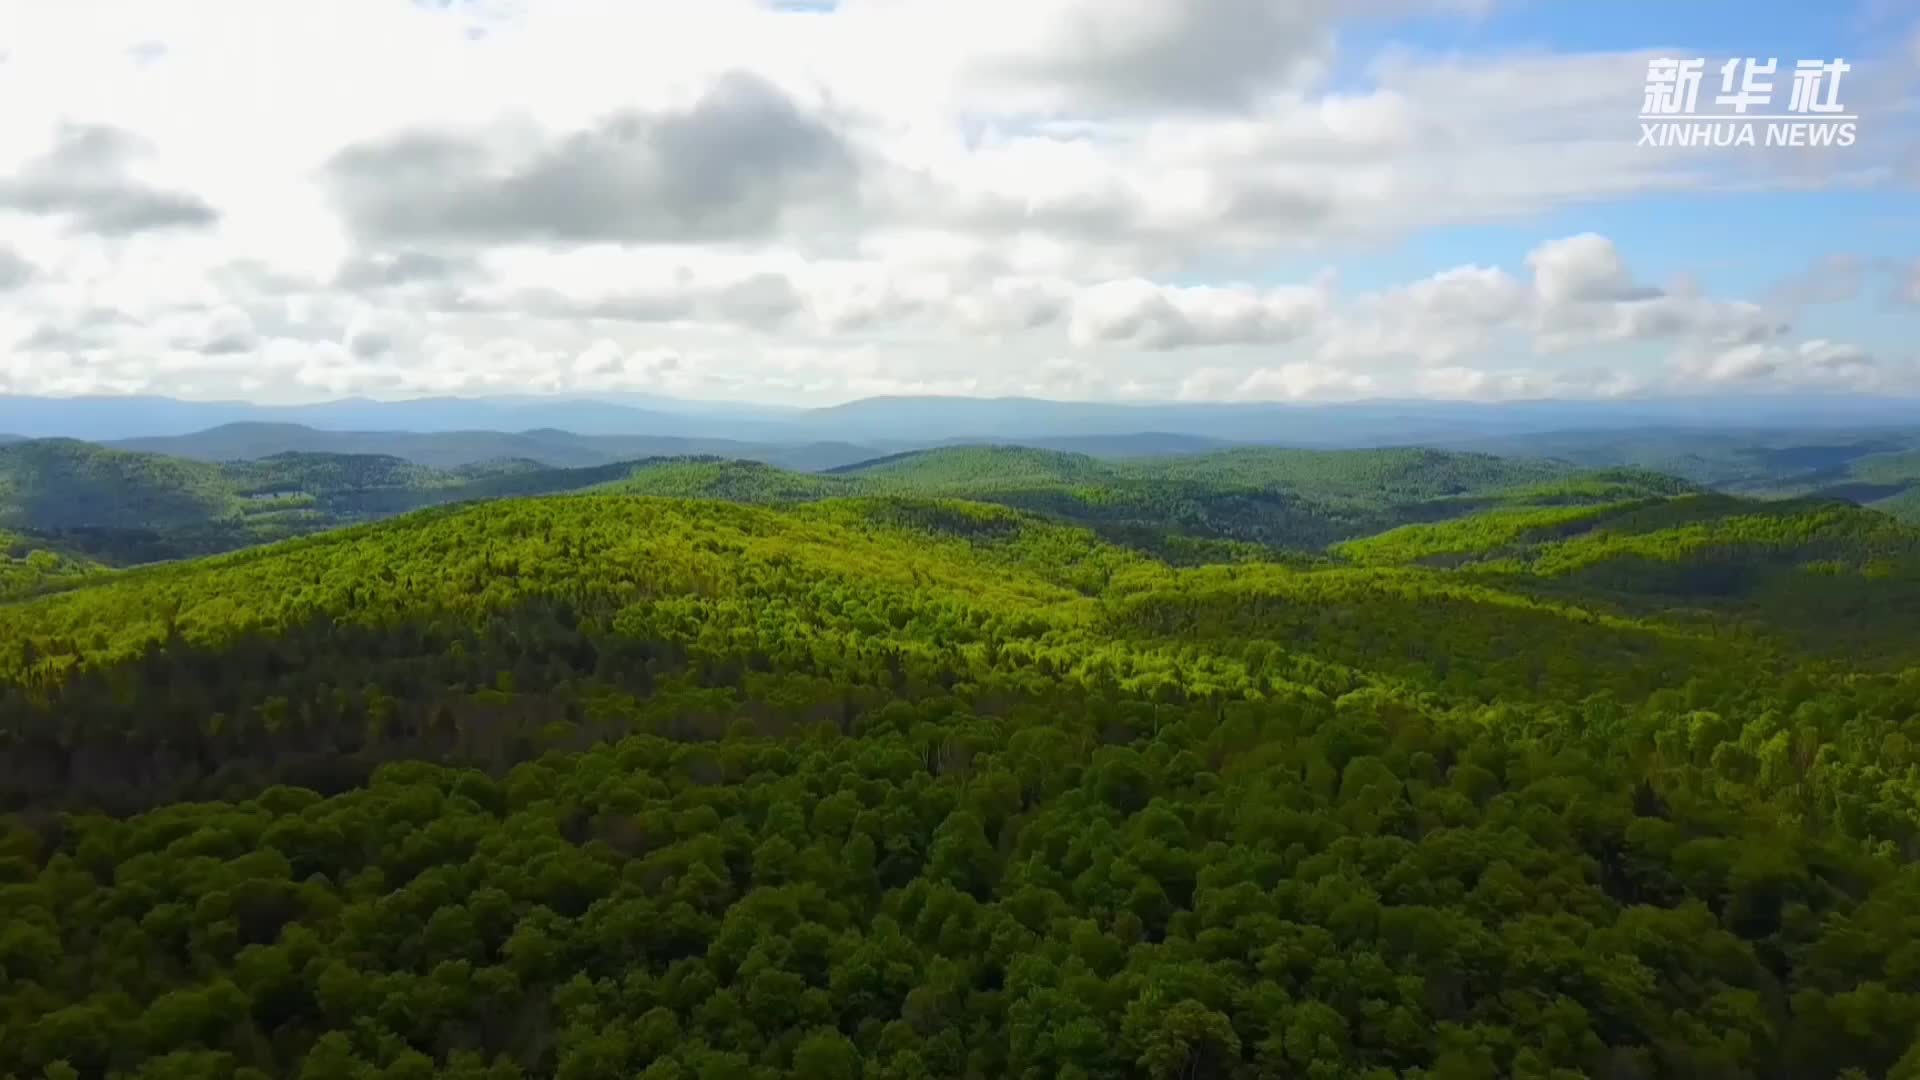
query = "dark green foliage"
{"x": 1880, "y": 468}
{"x": 56, "y": 484}
{"x": 1266, "y": 497}
{"x": 126, "y": 508}
{"x": 898, "y": 787}
{"x": 1830, "y": 575}
{"x": 733, "y": 481}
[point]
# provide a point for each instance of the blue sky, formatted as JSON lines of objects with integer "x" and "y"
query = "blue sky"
{"x": 1735, "y": 243}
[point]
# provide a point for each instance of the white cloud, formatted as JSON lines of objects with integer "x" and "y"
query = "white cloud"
{"x": 1299, "y": 380}
{"x": 1815, "y": 364}
{"x": 1144, "y": 315}
{"x": 1013, "y": 196}
{"x": 1582, "y": 269}
{"x": 1451, "y": 315}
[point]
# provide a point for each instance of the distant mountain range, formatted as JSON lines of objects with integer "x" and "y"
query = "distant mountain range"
{"x": 566, "y": 449}
{"x": 121, "y": 507}
{"x": 450, "y": 449}
{"x": 161, "y": 497}
{"x": 900, "y": 422}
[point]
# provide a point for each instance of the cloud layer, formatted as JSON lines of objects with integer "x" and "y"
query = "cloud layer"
{"x": 1119, "y": 199}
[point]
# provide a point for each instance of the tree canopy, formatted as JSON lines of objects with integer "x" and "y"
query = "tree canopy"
{"x": 895, "y": 786}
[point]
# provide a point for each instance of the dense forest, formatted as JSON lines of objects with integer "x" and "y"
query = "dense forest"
{"x": 125, "y": 508}
{"x": 1874, "y": 467}
{"x": 1568, "y": 775}
{"x": 1191, "y": 508}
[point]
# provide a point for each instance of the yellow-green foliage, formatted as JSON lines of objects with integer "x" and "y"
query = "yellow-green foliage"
{"x": 898, "y": 787}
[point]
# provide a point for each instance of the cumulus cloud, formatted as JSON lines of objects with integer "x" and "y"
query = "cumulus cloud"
{"x": 762, "y": 300}
{"x": 1122, "y": 199}
{"x": 1586, "y": 296}
{"x": 225, "y": 332}
{"x": 1294, "y": 381}
{"x": 1580, "y": 294}
{"x": 1104, "y": 56}
{"x": 86, "y": 180}
{"x": 82, "y": 330}
{"x": 1450, "y": 315}
{"x": 1145, "y": 315}
{"x": 1149, "y": 53}
{"x": 1583, "y": 269}
{"x": 15, "y": 271}
{"x": 377, "y": 270}
{"x": 732, "y": 164}
{"x": 1815, "y": 363}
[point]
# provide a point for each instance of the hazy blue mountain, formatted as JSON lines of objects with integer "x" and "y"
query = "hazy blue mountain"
{"x": 1356, "y": 424}
{"x": 1138, "y": 445}
{"x": 1742, "y": 459}
{"x": 550, "y": 448}
{"x": 546, "y": 447}
{"x": 101, "y": 418}
{"x": 926, "y": 421}
{"x": 121, "y": 507}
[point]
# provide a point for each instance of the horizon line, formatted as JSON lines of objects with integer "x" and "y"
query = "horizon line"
{"x": 663, "y": 402}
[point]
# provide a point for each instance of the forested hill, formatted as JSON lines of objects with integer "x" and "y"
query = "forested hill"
{"x": 895, "y": 787}
{"x": 1193, "y": 508}
{"x": 1835, "y": 576}
{"x": 1877, "y": 467}
{"x": 124, "y": 508}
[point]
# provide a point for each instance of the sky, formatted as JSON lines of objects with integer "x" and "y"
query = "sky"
{"x": 806, "y": 203}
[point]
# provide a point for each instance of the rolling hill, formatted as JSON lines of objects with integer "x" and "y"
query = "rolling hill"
{"x": 1834, "y": 576}
{"x": 1873, "y": 467}
{"x": 1268, "y": 497}
{"x": 897, "y": 786}
{"x": 124, "y": 507}
{"x": 63, "y": 483}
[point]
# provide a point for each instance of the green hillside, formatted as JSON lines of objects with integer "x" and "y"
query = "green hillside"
{"x": 1905, "y": 505}
{"x": 1879, "y": 468}
{"x": 732, "y": 481}
{"x": 29, "y": 565}
{"x": 1189, "y": 506}
{"x": 882, "y": 787}
{"x": 126, "y": 508}
{"x": 1832, "y": 575}
{"x": 64, "y": 483}
{"x": 988, "y": 467}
